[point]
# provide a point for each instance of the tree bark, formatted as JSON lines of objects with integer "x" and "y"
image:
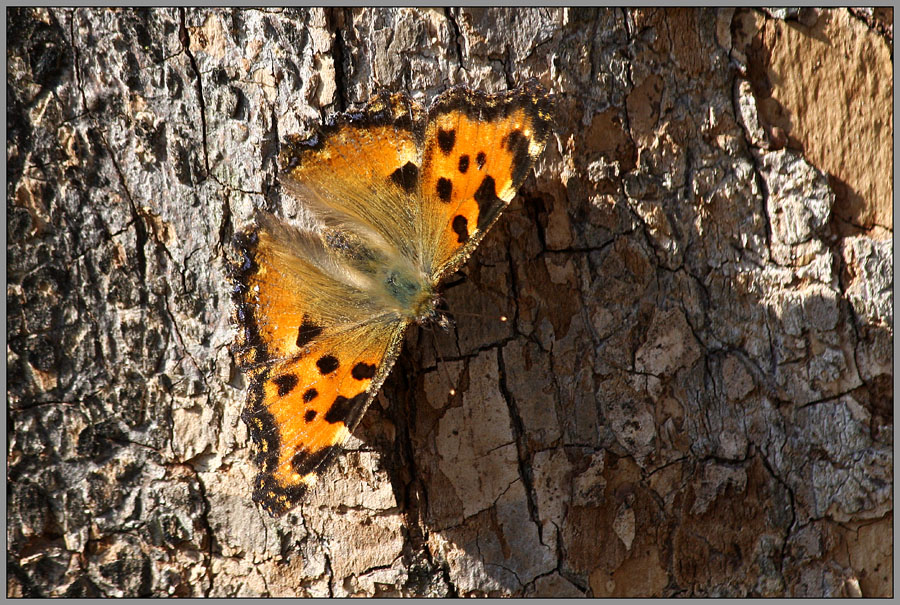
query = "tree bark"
{"x": 692, "y": 395}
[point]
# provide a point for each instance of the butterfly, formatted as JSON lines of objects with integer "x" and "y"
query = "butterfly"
{"x": 399, "y": 197}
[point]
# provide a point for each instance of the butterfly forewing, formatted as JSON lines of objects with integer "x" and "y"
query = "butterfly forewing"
{"x": 478, "y": 150}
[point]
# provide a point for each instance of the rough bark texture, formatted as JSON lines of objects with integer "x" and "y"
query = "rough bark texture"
{"x": 693, "y": 395}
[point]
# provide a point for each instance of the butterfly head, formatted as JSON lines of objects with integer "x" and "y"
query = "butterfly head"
{"x": 437, "y": 314}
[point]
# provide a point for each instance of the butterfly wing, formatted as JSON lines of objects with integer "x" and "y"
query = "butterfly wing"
{"x": 361, "y": 171}
{"x": 478, "y": 148}
{"x": 316, "y": 349}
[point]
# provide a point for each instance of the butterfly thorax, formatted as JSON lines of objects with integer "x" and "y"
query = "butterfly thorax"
{"x": 414, "y": 297}
{"x": 391, "y": 280}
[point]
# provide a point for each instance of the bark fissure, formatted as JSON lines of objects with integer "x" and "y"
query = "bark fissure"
{"x": 457, "y": 36}
{"x": 695, "y": 365}
{"x": 185, "y": 38}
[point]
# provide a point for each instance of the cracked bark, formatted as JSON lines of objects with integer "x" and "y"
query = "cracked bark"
{"x": 692, "y": 395}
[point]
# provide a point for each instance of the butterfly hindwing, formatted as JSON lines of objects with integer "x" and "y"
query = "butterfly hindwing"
{"x": 314, "y": 366}
{"x": 363, "y": 167}
{"x": 288, "y": 290}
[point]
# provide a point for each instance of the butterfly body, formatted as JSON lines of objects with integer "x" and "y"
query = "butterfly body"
{"x": 399, "y": 197}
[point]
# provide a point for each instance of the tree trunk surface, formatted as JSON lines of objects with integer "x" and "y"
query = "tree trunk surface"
{"x": 693, "y": 393}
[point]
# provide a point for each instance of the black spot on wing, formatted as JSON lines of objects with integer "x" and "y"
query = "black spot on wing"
{"x": 517, "y": 144}
{"x": 463, "y": 163}
{"x": 307, "y": 332}
{"x": 407, "y": 177}
{"x": 488, "y": 202}
{"x": 304, "y": 461}
{"x": 480, "y": 159}
{"x": 346, "y": 410}
{"x": 363, "y": 371}
{"x": 285, "y": 383}
{"x": 310, "y": 394}
{"x": 461, "y": 228}
{"x": 444, "y": 189}
{"x": 446, "y": 140}
{"x": 327, "y": 364}
{"x": 309, "y": 416}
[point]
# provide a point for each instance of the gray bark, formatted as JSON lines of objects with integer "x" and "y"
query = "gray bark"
{"x": 693, "y": 395}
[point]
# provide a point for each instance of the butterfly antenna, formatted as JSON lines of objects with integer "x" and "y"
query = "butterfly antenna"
{"x": 439, "y": 362}
{"x": 501, "y": 318}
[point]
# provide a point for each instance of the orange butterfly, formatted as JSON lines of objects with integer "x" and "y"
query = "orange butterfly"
{"x": 401, "y": 197}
